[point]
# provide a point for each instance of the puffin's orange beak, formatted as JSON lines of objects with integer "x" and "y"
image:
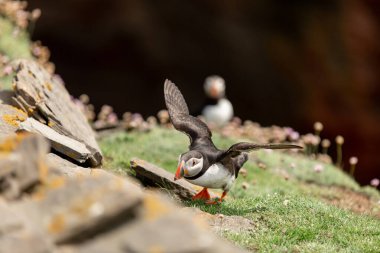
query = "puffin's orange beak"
{"x": 179, "y": 172}
{"x": 214, "y": 91}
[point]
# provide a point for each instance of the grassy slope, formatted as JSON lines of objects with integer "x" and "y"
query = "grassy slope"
{"x": 288, "y": 214}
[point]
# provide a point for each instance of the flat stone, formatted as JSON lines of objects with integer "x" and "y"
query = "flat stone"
{"x": 45, "y": 98}
{"x": 61, "y": 143}
{"x": 70, "y": 210}
{"x": 62, "y": 167}
{"x": 153, "y": 175}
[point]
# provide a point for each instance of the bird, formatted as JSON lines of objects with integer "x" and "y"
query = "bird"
{"x": 204, "y": 164}
{"x": 217, "y": 109}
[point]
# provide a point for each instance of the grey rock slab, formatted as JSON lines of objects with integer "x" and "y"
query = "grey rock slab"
{"x": 45, "y": 98}
{"x": 167, "y": 234}
{"x": 63, "y": 167}
{"x": 61, "y": 143}
{"x": 154, "y": 175}
{"x": 74, "y": 209}
{"x": 159, "y": 226}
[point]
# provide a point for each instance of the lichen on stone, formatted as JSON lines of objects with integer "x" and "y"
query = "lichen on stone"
{"x": 43, "y": 169}
{"x": 11, "y": 143}
{"x": 16, "y": 118}
{"x": 55, "y": 182}
{"x": 57, "y": 224}
{"x": 13, "y": 120}
{"x": 49, "y": 86}
{"x": 154, "y": 208}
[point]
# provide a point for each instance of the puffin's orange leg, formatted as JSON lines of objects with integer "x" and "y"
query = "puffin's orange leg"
{"x": 223, "y": 195}
{"x": 217, "y": 200}
{"x": 203, "y": 195}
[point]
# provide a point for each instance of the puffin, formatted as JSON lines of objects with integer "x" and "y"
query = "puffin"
{"x": 217, "y": 109}
{"x": 204, "y": 164}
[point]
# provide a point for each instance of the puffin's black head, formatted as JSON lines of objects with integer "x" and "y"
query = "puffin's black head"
{"x": 189, "y": 164}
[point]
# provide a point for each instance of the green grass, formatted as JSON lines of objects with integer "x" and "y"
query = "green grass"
{"x": 288, "y": 214}
{"x": 303, "y": 225}
{"x": 13, "y": 46}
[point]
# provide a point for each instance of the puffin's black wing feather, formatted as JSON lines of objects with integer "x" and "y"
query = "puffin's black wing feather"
{"x": 240, "y": 147}
{"x": 179, "y": 114}
{"x": 175, "y": 102}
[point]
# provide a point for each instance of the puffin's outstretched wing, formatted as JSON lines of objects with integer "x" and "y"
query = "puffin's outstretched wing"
{"x": 240, "y": 147}
{"x": 179, "y": 114}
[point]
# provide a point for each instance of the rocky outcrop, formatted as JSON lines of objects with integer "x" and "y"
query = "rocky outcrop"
{"x": 39, "y": 103}
{"x": 63, "y": 208}
{"x": 45, "y": 98}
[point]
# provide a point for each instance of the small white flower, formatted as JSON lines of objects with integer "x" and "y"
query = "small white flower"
{"x": 7, "y": 70}
{"x": 294, "y": 136}
{"x": 318, "y": 168}
{"x": 353, "y": 160}
{"x": 375, "y": 182}
{"x": 318, "y": 126}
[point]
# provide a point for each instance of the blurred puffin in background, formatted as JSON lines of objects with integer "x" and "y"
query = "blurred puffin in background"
{"x": 217, "y": 109}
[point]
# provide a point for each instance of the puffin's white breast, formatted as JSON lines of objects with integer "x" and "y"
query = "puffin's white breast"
{"x": 216, "y": 176}
{"x": 220, "y": 113}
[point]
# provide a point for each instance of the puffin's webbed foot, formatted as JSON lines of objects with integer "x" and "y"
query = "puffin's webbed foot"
{"x": 213, "y": 201}
{"x": 217, "y": 200}
{"x": 202, "y": 195}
